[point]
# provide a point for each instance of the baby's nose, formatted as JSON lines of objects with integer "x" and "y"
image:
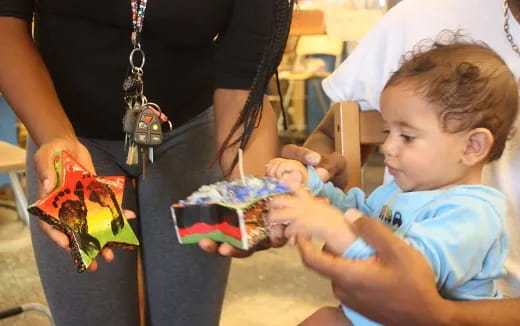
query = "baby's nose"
{"x": 389, "y": 148}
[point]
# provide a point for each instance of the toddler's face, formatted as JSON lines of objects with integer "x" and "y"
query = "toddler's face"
{"x": 418, "y": 153}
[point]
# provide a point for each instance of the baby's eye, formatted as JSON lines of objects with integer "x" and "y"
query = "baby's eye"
{"x": 386, "y": 131}
{"x": 407, "y": 138}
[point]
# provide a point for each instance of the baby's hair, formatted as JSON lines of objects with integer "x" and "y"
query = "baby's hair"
{"x": 469, "y": 83}
{"x": 251, "y": 113}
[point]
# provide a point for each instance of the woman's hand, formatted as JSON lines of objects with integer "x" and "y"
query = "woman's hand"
{"x": 47, "y": 182}
{"x": 44, "y": 161}
{"x": 227, "y": 250}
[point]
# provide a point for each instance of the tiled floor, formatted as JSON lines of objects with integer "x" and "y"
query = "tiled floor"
{"x": 19, "y": 281}
{"x": 271, "y": 288}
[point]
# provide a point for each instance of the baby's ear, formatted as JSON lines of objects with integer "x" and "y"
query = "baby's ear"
{"x": 479, "y": 142}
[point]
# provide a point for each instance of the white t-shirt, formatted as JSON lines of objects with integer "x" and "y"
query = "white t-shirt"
{"x": 364, "y": 73}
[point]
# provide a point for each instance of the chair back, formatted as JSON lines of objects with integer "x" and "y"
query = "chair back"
{"x": 354, "y": 129}
{"x": 319, "y": 44}
{"x": 307, "y": 22}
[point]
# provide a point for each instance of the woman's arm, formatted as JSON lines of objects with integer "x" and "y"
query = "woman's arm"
{"x": 263, "y": 144}
{"x": 27, "y": 86}
{"x": 262, "y": 147}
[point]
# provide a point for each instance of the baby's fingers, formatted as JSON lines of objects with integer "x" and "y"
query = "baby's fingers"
{"x": 292, "y": 178}
{"x": 281, "y": 215}
{"x": 282, "y": 201}
{"x": 296, "y": 229}
{"x": 276, "y": 232}
{"x": 303, "y": 193}
{"x": 272, "y": 167}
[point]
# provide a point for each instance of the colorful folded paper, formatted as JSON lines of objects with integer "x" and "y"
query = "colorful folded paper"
{"x": 232, "y": 212}
{"x": 87, "y": 209}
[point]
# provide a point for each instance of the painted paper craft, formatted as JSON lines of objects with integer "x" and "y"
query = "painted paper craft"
{"x": 87, "y": 209}
{"x": 231, "y": 212}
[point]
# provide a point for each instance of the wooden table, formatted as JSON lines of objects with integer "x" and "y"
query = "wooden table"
{"x": 12, "y": 161}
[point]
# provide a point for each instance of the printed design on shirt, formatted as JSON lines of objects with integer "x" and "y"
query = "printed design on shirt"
{"x": 390, "y": 218}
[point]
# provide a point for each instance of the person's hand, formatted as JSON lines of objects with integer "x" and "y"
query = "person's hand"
{"x": 330, "y": 167}
{"x": 224, "y": 249}
{"x": 44, "y": 161}
{"x": 306, "y": 215}
{"x": 47, "y": 179}
{"x": 291, "y": 172}
{"x": 275, "y": 240}
{"x": 395, "y": 287}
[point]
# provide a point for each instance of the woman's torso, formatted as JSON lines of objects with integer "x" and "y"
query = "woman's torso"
{"x": 86, "y": 47}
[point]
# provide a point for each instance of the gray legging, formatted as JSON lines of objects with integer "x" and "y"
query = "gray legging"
{"x": 184, "y": 285}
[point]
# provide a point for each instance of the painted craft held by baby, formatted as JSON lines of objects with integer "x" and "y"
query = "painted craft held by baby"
{"x": 87, "y": 209}
{"x": 232, "y": 212}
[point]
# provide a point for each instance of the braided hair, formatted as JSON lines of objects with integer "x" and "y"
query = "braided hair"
{"x": 251, "y": 113}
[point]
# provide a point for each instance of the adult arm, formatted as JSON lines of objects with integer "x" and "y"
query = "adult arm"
{"x": 483, "y": 312}
{"x": 331, "y": 165}
{"x": 29, "y": 90}
{"x": 240, "y": 50}
{"x": 262, "y": 147}
{"x": 26, "y": 85}
{"x": 384, "y": 288}
{"x": 263, "y": 144}
{"x": 321, "y": 139}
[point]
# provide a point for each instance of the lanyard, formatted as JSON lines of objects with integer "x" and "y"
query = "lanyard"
{"x": 142, "y": 120}
{"x": 138, "y": 11}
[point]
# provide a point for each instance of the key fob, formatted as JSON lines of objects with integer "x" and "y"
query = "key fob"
{"x": 147, "y": 128}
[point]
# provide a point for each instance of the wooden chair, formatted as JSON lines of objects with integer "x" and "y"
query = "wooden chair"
{"x": 306, "y": 37}
{"x": 307, "y": 22}
{"x": 356, "y": 132}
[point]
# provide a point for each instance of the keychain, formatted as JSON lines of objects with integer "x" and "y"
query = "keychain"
{"x": 147, "y": 130}
{"x": 142, "y": 119}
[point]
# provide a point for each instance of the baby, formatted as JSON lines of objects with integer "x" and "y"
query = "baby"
{"x": 448, "y": 111}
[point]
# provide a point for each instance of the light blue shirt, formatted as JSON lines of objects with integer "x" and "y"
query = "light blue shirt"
{"x": 460, "y": 230}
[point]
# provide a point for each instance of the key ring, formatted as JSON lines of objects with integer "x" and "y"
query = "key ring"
{"x": 135, "y": 50}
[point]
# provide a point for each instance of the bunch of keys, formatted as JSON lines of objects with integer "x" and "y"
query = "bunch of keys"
{"x": 142, "y": 120}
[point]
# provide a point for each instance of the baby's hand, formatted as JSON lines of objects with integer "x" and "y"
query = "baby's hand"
{"x": 309, "y": 216}
{"x": 291, "y": 172}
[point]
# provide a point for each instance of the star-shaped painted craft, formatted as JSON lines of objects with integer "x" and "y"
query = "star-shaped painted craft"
{"x": 87, "y": 209}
